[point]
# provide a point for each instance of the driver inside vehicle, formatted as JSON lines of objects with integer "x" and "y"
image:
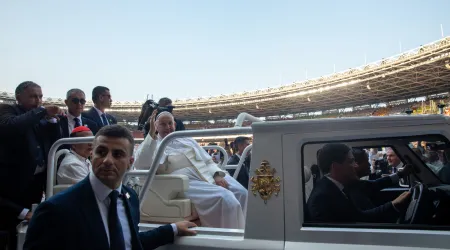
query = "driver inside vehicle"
{"x": 363, "y": 192}
{"x": 333, "y": 198}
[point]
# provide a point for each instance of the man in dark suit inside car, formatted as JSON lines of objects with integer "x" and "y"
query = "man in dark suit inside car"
{"x": 364, "y": 192}
{"x": 102, "y": 101}
{"x": 330, "y": 201}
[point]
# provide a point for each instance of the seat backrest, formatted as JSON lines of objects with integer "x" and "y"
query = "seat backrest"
{"x": 307, "y": 173}
{"x": 57, "y": 155}
{"x": 315, "y": 173}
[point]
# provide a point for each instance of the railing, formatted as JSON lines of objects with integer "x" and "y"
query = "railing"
{"x": 241, "y": 162}
{"x": 51, "y": 166}
{"x": 224, "y": 152}
{"x": 155, "y": 164}
{"x": 242, "y": 117}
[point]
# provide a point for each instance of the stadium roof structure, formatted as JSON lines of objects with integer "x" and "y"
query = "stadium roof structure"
{"x": 419, "y": 72}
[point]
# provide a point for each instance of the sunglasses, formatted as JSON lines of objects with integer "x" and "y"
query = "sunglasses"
{"x": 77, "y": 101}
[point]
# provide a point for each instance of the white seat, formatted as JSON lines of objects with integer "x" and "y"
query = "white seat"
{"x": 165, "y": 201}
{"x": 62, "y": 187}
{"x": 307, "y": 172}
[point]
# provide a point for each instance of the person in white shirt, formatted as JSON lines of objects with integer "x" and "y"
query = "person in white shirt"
{"x": 218, "y": 198}
{"x": 76, "y": 166}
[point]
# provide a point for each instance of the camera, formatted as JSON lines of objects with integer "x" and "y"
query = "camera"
{"x": 147, "y": 109}
{"x": 381, "y": 165}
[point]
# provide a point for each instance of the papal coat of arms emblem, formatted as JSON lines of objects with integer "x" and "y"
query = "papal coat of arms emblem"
{"x": 265, "y": 183}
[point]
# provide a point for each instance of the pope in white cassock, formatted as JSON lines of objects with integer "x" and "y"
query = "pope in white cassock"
{"x": 219, "y": 199}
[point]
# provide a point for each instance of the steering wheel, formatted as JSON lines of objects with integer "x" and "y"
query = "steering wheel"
{"x": 412, "y": 214}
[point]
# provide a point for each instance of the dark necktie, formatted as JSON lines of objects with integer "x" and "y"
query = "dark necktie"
{"x": 105, "y": 122}
{"x": 77, "y": 122}
{"x": 116, "y": 241}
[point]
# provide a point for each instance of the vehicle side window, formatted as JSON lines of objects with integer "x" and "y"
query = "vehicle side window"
{"x": 379, "y": 181}
{"x": 436, "y": 155}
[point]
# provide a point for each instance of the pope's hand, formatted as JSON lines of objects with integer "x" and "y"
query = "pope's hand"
{"x": 220, "y": 181}
{"x": 183, "y": 228}
{"x": 152, "y": 123}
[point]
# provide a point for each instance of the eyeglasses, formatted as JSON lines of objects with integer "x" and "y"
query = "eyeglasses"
{"x": 77, "y": 101}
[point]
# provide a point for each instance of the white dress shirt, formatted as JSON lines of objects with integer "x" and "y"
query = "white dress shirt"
{"x": 101, "y": 193}
{"x": 73, "y": 169}
{"x": 71, "y": 122}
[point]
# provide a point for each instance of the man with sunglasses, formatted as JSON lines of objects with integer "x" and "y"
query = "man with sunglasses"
{"x": 102, "y": 101}
{"x": 75, "y": 101}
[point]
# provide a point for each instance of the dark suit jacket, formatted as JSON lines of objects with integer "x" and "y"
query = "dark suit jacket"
{"x": 72, "y": 220}
{"x": 362, "y": 193}
{"x": 327, "y": 204}
{"x": 243, "y": 176}
{"x": 63, "y": 121}
{"x": 92, "y": 114}
{"x": 22, "y": 136}
{"x": 179, "y": 125}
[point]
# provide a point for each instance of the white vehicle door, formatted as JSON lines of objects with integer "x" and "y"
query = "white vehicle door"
{"x": 300, "y": 145}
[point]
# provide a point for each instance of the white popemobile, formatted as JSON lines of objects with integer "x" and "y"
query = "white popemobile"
{"x": 280, "y": 183}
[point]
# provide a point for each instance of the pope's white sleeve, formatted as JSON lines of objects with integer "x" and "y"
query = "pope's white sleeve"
{"x": 143, "y": 157}
{"x": 213, "y": 168}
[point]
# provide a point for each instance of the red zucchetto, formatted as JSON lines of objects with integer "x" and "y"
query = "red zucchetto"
{"x": 79, "y": 129}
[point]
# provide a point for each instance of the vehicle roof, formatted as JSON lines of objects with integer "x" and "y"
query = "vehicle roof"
{"x": 354, "y": 123}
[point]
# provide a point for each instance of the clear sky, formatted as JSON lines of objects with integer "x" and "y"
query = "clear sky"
{"x": 199, "y": 48}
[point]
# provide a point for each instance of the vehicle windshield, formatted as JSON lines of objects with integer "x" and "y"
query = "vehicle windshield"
{"x": 436, "y": 155}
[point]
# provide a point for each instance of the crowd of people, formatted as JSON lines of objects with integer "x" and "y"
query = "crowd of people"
{"x": 28, "y": 130}
{"x": 95, "y": 171}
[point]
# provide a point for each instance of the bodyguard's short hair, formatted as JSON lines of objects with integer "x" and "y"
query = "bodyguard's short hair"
{"x": 360, "y": 155}
{"x": 97, "y": 91}
{"x": 24, "y": 85}
{"x": 330, "y": 153}
{"x": 240, "y": 140}
{"x": 164, "y": 101}
{"x": 117, "y": 131}
{"x": 73, "y": 91}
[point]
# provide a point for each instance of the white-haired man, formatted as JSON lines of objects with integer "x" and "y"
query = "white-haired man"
{"x": 219, "y": 199}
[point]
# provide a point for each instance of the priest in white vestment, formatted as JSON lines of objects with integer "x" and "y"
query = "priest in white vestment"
{"x": 218, "y": 198}
{"x": 76, "y": 166}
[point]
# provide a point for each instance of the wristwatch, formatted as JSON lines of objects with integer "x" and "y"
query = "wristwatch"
{"x": 219, "y": 174}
